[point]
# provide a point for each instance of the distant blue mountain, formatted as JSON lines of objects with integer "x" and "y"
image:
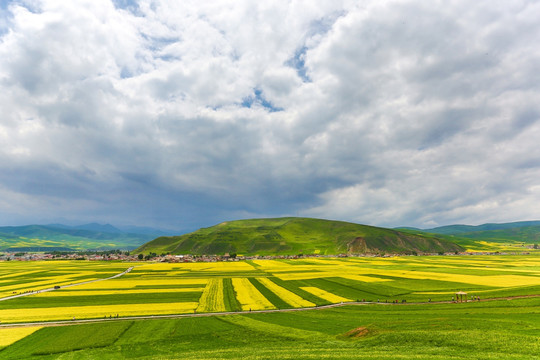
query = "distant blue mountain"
{"x": 91, "y": 236}
{"x": 148, "y": 230}
{"x": 460, "y": 229}
{"x": 108, "y": 228}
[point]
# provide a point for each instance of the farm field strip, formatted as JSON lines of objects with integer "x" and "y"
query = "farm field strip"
{"x": 328, "y": 296}
{"x": 249, "y": 297}
{"x": 288, "y": 296}
{"x": 38, "y": 285}
{"x": 197, "y": 267}
{"x": 94, "y": 311}
{"x": 133, "y": 283}
{"x": 363, "y": 278}
{"x": 33, "y": 276}
{"x": 10, "y": 335}
{"x": 212, "y": 297}
{"x": 487, "y": 280}
{"x": 65, "y": 292}
{"x": 4, "y": 276}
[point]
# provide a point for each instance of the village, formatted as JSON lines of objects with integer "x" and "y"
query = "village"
{"x": 126, "y": 256}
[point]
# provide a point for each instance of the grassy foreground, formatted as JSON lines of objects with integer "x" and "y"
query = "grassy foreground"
{"x": 481, "y": 330}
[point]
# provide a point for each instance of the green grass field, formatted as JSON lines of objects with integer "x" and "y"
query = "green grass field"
{"x": 500, "y": 329}
{"x": 485, "y": 330}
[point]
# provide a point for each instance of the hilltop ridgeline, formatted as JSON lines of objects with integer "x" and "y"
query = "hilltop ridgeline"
{"x": 289, "y": 236}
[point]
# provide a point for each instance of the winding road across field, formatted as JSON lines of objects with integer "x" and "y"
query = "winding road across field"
{"x": 179, "y": 316}
{"x": 65, "y": 286}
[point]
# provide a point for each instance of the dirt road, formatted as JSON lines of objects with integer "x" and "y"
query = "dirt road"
{"x": 179, "y": 316}
{"x": 64, "y": 286}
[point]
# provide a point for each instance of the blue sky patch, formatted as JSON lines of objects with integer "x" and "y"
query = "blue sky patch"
{"x": 258, "y": 98}
{"x": 130, "y": 5}
{"x": 297, "y": 62}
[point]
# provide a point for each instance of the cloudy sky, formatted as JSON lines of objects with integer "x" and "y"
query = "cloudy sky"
{"x": 181, "y": 114}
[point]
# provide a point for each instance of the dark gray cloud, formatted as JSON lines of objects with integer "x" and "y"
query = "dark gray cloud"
{"x": 181, "y": 115}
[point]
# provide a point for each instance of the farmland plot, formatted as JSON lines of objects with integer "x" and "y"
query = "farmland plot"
{"x": 179, "y": 288}
{"x": 249, "y": 297}
{"x": 212, "y": 299}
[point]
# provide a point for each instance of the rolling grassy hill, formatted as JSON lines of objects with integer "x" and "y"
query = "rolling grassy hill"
{"x": 294, "y": 236}
{"x": 66, "y": 238}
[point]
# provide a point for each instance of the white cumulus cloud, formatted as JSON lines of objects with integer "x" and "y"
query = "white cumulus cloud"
{"x": 182, "y": 114}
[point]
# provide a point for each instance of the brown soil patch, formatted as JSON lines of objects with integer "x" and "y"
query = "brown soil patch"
{"x": 356, "y": 333}
{"x": 358, "y": 245}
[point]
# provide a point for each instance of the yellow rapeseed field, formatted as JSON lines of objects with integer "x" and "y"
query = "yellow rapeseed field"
{"x": 271, "y": 264}
{"x": 301, "y": 275}
{"x": 10, "y": 335}
{"x": 323, "y": 294}
{"x": 288, "y": 296}
{"x": 362, "y": 278}
{"x": 42, "y": 284}
{"x": 212, "y": 297}
{"x": 67, "y": 292}
{"x": 21, "y": 277}
{"x": 206, "y": 282}
{"x": 249, "y": 297}
{"x": 98, "y": 311}
{"x": 7, "y": 275}
{"x": 199, "y": 266}
{"x": 485, "y": 280}
{"x": 123, "y": 283}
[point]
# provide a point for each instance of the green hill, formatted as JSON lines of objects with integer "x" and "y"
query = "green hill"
{"x": 294, "y": 236}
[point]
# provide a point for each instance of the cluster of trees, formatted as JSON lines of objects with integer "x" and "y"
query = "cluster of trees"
{"x": 148, "y": 256}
